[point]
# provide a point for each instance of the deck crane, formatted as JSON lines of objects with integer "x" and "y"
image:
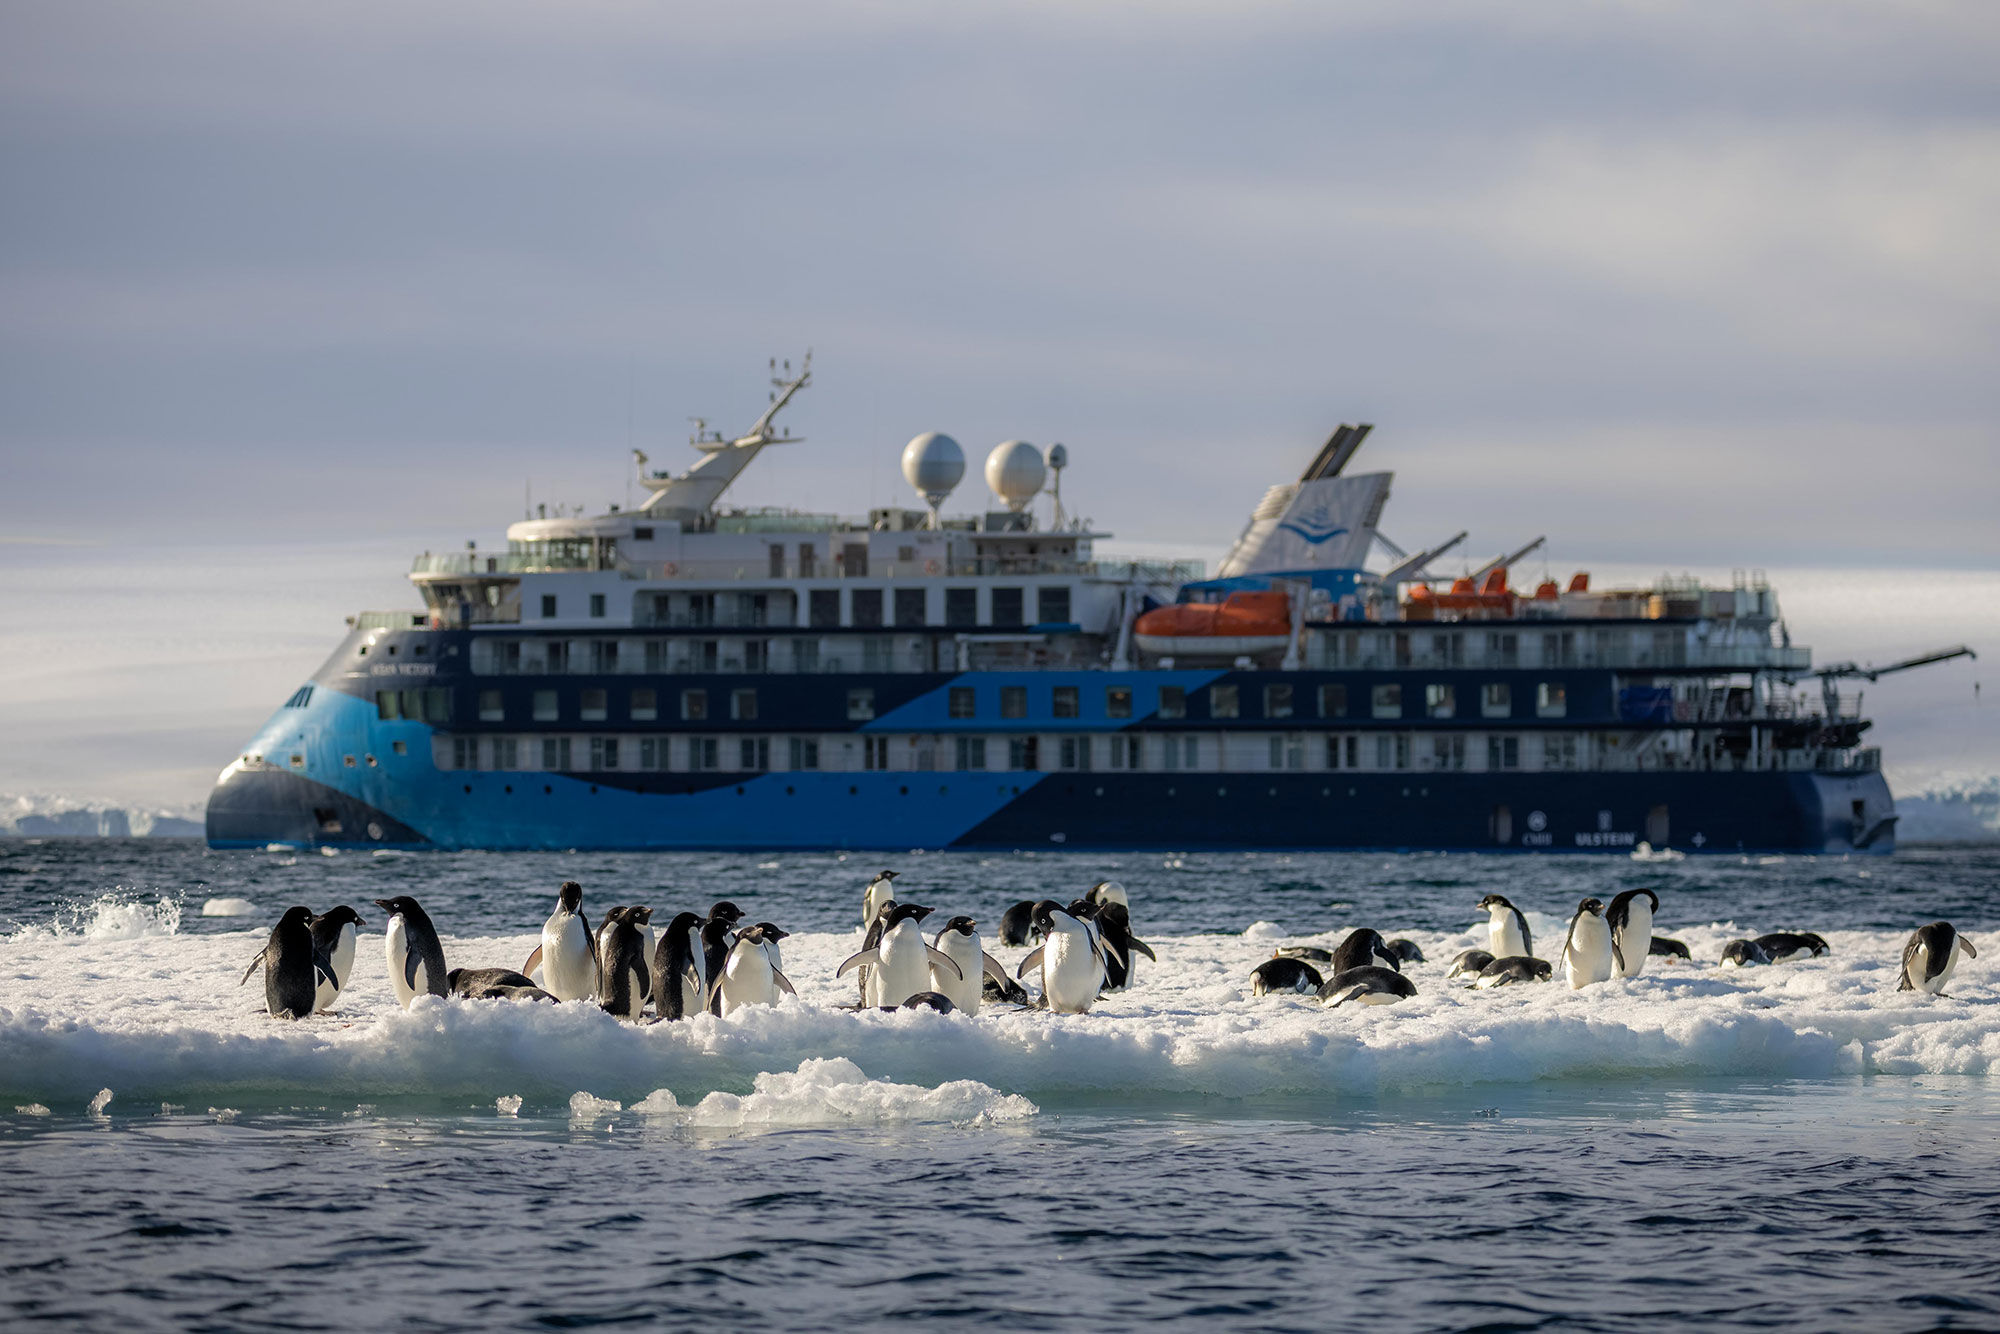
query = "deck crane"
{"x": 1830, "y": 675}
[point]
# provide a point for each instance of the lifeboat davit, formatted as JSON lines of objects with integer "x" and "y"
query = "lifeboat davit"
{"x": 1242, "y": 624}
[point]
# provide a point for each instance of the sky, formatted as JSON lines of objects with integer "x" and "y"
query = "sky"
{"x": 289, "y": 293}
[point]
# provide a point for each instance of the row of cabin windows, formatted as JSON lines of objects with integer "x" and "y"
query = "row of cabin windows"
{"x": 642, "y": 703}
{"x": 1294, "y": 751}
{"x": 871, "y": 608}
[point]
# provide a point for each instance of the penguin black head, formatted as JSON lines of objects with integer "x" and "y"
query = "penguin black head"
{"x": 570, "y": 896}
{"x": 611, "y": 915}
{"x": 1082, "y": 909}
{"x": 299, "y": 916}
{"x": 1595, "y": 907}
{"x": 887, "y": 875}
{"x": 401, "y": 905}
{"x": 684, "y": 922}
{"x": 725, "y": 911}
{"x": 713, "y": 930}
{"x": 1495, "y": 901}
{"x": 1043, "y": 916}
{"x": 639, "y": 916}
{"x": 962, "y": 924}
{"x": 908, "y": 912}
{"x": 768, "y": 932}
{"x": 341, "y": 916}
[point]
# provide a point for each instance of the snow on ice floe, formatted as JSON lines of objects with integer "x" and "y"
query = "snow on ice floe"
{"x": 834, "y": 1091}
{"x": 158, "y": 1015}
{"x": 228, "y": 908}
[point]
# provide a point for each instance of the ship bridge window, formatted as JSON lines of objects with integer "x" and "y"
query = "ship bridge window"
{"x": 418, "y": 706}
{"x": 1278, "y": 701}
{"x": 1173, "y": 702}
{"x": 743, "y": 706}
{"x": 1551, "y": 699}
{"x": 909, "y": 607}
{"x": 961, "y": 606}
{"x": 1023, "y": 752}
{"x": 867, "y": 610}
{"x": 1222, "y": 701}
{"x": 1503, "y": 650}
{"x": 1118, "y": 702}
{"x": 1386, "y": 701}
{"x": 594, "y": 706}
{"x": 823, "y": 609}
{"x": 971, "y": 752}
{"x": 1392, "y": 752}
{"x": 545, "y": 706}
{"x": 694, "y": 705}
{"x": 962, "y": 703}
{"x": 703, "y": 753}
{"x": 1063, "y": 703}
{"x": 1343, "y": 752}
{"x": 1288, "y": 751}
{"x": 1559, "y": 752}
{"x": 300, "y": 698}
{"x": 492, "y": 708}
{"x": 1052, "y": 606}
{"x": 644, "y": 706}
{"x": 1447, "y": 752}
{"x": 1076, "y": 752}
{"x": 1496, "y": 699}
{"x": 804, "y": 753}
{"x": 1333, "y": 701}
{"x": 1124, "y": 752}
{"x": 1013, "y": 702}
{"x": 753, "y": 754}
{"x": 1180, "y": 752}
{"x": 1440, "y": 700}
{"x": 1007, "y": 606}
{"x": 860, "y": 704}
{"x": 548, "y": 606}
{"x": 1503, "y": 752}
{"x": 642, "y": 534}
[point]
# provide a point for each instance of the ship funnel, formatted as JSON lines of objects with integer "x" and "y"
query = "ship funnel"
{"x": 933, "y": 464}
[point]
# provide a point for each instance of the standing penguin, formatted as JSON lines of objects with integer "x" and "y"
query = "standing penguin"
{"x": 1114, "y": 932}
{"x": 1071, "y": 960}
{"x": 771, "y": 936}
{"x": 880, "y": 890}
{"x": 568, "y": 952}
{"x": 871, "y": 939}
{"x": 959, "y": 942}
{"x": 333, "y": 938}
{"x": 679, "y": 984}
{"x": 416, "y": 957}
{"x": 1586, "y": 951}
{"x": 1507, "y": 931}
{"x": 292, "y": 966}
{"x": 901, "y": 962}
{"x": 625, "y": 975}
{"x": 1109, "y": 891}
{"x": 1931, "y": 957}
{"x": 751, "y": 976}
{"x": 716, "y": 939}
{"x": 1630, "y": 918}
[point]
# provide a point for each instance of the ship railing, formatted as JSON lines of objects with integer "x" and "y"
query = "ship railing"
{"x": 389, "y": 620}
{"x": 1329, "y": 652}
{"x": 443, "y": 564}
{"x": 730, "y": 572}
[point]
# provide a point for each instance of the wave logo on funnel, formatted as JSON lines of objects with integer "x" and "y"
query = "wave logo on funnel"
{"x": 1315, "y": 525}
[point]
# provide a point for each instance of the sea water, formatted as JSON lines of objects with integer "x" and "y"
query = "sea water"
{"x": 1798, "y": 1146}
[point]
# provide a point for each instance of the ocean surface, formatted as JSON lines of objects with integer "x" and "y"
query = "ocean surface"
{"x": 1791, "y": 1147}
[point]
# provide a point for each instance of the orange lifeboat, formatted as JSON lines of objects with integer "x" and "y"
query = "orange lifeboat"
{"x": 1240, "y": 624}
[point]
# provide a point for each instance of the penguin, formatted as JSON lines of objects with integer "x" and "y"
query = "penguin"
{"x": 927, "y": 1000}
{"x": 1106, "y": 892}
{"x": 1931, "y": 957}
{"x": 1673, "y": 951}
{"x": 416, "y": 958}
{"x": 1086, "y": 912}
{"x": 1114, "y": 933}
{"x": 333, "y": 940}
{"x": 716, "y": 939}
{"x": 1278, "y": 975}
{"x": 495, "y": 984}
{"x": 899, "y": 961}
{"x": 1310, "y": 953}
{"x": 1370, "y": 984}
{"x": 1506, "y": 972}
{"x": 725, "y": 911}
{"x": 1406, "y": 951}
{"x": 1017, "y": 926}
{"x": 870, "y": 940}
{"x": 959, "y": 942}
{"x": 293, "y": 968}
{"x": 880, "y": 891}
{"x": 567, "y": 955}
{"x": 1743, "y": 953}
{"x": 1586, "y": 951}
{"x": 624, "y": 975}
{"x": 1783, "y": 945}
{"x": 680, "y": 987}
{"x": 772, "y": 935}
{"x": 1071, "y": 960}
{"x": 1507, "y": 931}
{"x": 1365, "y": 948}
{"x": 1630, "y": 918}
{"x": 750, "y": 976}
{"x": 1468, "y": 963}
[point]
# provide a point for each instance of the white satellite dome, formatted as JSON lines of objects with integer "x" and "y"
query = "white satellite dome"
{"x": 933, "y": 464}
{"x": 1015, "y": 471}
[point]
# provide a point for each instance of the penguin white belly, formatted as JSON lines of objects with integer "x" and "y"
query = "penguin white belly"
{"x": 569, "y": 972}
{"x": 1635, "y": 942}
{"x": 1504, "y": 938}
{"x": 343, "y": 968}
{"x": 1071, "y": 974}
{"x": 396, "y": 946}
{"x": 747, "y": 980}
{"x": 1589, "y": 952}
{"x": 962, "y": 992}
{"x": 905, "y": 965}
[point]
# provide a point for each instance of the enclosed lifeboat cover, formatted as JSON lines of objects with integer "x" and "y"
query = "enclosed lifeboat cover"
{"x": 1240, "y": 624}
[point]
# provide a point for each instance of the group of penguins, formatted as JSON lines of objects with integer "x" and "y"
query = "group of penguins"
{"x": 1602, "y": 943}
{"x": 714, "y": 964}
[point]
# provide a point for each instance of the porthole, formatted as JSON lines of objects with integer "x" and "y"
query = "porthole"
{"x": 374, "y": 830}
{"x": 548, "y": 791}
{"x": 349, "y": 760}
{"x": 371, "y": 760}
{"x": 1170, "y": 792}
{"x": 1274, "y": 792}
{"x": 593, "y": 789}
{"x": 853, "y": 791}
{"x": 1100, "y": 791}
{"x": 902, "y": 792}
{"x": 942, "y": 789}
{"x": 509, "y": 789}
{"x": 1222, "y": 792}
{"x": 790, "y": 791}
{"x": 1326, "y": 792}
{"x": 468, "y": 789}
{"x": 739, "y": 791}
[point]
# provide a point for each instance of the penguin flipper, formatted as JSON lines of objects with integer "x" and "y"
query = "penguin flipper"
{"x": 992, "y": 968}
{"x": 255, "y": 964}
{"x": 534, "y": 961}
{"x": 1966, "y": 945}
{"x": 1034, "y": 960}
{"x": 1141, "y": 947}
{"x": 410, "y": 963}
{"x": 784, "y": 983}
{"x": 865, "y": 957}
{"x": 1350, "y": 994}
{"x": 939, "y": 959}
{"x": 1909, "y": 954}
{"x": 1617, "y": 955}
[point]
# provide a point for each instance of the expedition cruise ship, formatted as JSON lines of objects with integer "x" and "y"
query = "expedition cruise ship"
{"x": 686, "y": 675}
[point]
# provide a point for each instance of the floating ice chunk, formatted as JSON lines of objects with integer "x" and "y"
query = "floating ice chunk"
{"x": 30, "y": 1109}
{"x": 660, "y": 1102}
{"x": 1263, "y": 931}
{"x": 586, "y": 1107}
{"x": 224, "y": 1114}
{"x": 834, "y": 1091}
{"x": 329, "y": 852}
{"x": 508, "y": 1105}
{"x": 228, "y": 908}
{"x": 100, "y": 1102}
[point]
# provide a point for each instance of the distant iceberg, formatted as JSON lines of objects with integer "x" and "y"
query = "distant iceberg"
{"x": 56, "y": 816}
{"x": 1965, "y": 810}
